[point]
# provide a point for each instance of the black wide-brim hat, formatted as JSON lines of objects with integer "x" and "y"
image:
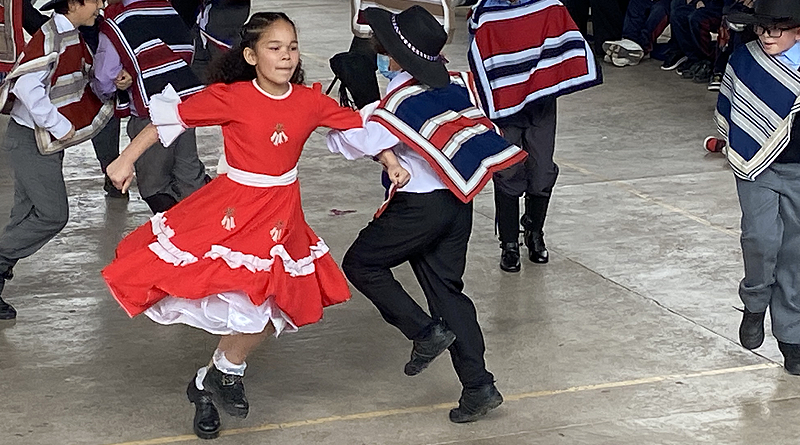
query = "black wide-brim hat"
{"x": 51, "y": 5}
{"x": 414, "y": 39}
{"x": 769, "y": 12}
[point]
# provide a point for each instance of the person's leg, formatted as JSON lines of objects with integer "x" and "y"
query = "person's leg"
{"x": 635, "y": 19}
{"x": 655, "y": 24}
{"x": 785, "y": 302}
{"x": 542, "y": 172}
{"x": 579, "y": 11}
{"x": 509, "y": 185}
{"x": 188, "y": 172}
{"x": 410, "y": 223}
{"x": 703, "y": 22}
{"x": 106, "y": 149}
{"x": 153, "y": 171}
{"x": 607, "y": 19}
{"x": 679, "y": 26}
{"x": 40, "y": 209}
{"x": 762, "y": 233}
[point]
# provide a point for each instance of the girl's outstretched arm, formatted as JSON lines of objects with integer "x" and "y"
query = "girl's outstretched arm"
{"x": 121, "y": 170}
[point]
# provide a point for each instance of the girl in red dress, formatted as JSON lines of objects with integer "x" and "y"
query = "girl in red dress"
{"x": 237, "y": 257}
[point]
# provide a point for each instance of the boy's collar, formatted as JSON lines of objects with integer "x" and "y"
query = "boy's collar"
{"x": 62, "y": 23}
{"x": 398, "y": 80}
{"x": 793, "y": 54}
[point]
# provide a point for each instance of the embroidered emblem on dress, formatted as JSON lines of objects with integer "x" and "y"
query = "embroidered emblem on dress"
{"x": 227, "y": 220}
{"x": 279, "y": 137}
{"x": 277, "y": 232}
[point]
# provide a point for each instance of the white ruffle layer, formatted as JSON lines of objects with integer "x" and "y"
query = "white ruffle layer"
{"x": 222, "y": 314}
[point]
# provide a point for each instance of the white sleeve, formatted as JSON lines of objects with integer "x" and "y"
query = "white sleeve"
{"x": 164, "y": 115}
{"x": 360, "y": 142}
{"x": 30, "y": 90}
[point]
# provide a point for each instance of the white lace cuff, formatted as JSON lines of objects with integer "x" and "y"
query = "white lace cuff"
{"x": 164, "y": 114}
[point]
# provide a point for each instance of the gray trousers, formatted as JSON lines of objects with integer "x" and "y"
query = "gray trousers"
{"x": 176, "y": 171}
{"x": 534, "y": 130}
{"x": 40, "y": 208}
{"x": 771, "y": 247}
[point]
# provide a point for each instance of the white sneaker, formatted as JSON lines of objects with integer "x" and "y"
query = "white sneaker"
{"x": 621, "y": 61}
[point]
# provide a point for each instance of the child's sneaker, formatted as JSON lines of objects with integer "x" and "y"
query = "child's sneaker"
{"x": 673, "y": 61}
{"x": 714, "y": 144}
{"x": 626, "y": 51}
{"x": 715, "y": 82}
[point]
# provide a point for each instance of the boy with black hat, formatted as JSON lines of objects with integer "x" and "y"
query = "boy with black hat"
{"x": 431, "y": 121}
{"x": 54, "y": 108}
{"x": 756, "y": 112}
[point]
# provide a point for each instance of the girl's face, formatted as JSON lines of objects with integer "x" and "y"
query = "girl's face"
{"x": 776, "y": 45}
{"x": 275, "y": 57}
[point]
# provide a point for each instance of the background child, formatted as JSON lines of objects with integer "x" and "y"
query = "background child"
{"x": 761, "y": 85}
{"x": 236, "y": 258}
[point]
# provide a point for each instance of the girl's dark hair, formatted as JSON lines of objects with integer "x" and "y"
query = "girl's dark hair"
{"x": 231, "y": 66}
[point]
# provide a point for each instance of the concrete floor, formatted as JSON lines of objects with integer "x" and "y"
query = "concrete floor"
{"x": 628, "y": 336}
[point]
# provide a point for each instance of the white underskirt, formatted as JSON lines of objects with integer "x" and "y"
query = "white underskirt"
{"x": 226, "y": 313}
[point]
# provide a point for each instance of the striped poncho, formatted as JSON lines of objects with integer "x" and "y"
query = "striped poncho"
{"x": 527, "y": 50}
{"x": 447, "y": 128}
{"x": 68, "y": 62}
{"x": 756, "y": 106}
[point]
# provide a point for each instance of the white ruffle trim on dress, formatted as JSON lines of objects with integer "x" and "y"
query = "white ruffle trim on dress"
{"x": 164, "y": 115}
{"x": 295, "y": 268}
{"x": 222, "y": 314}
{"x": 164, "y": 248}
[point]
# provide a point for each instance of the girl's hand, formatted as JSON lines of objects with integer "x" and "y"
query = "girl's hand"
{"x": 398, "y": 175}
{"x": 123, "y": 80}
{"x": 121, "y": 174}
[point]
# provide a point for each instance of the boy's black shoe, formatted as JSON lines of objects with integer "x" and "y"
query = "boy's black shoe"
{"x": 673, "y": 61}
{"x": 113, "y": 192}
{"x": 509, "y": 257}
{"x": 227, "y": 391}
{"x": 687, "y": 72}
{"x": 475, "y": 403}
{"x": 424, "y": 351}
{"x": 537, "y": 251}
{"x": 791, "y": 357}
{"x": 7, "y": 312}
{"x": 751, "y": 331}
{"x": 206, "y": 416}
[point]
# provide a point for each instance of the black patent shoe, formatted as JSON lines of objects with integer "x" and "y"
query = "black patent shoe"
{"x": 537, "y": 251}
{"x": 424, "y": 351}
{"x": 791, "y": 357}
{"x": 227, "y": 391}
{"x": 509, "y": 257}
{"x": 206, "y": 416}
{"x": 7, "y": 312}
{"x": 751, "y": 331}
{"x": 476, "y": 403}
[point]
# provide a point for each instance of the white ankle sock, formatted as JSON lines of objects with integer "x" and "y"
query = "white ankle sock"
{"x": 198, "y": 379}
{"x": 223, "y": 364}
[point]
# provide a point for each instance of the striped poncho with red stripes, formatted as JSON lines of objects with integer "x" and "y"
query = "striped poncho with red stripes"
{"x": 527, "y": 50}
{"x": 156, "y": 48}
{"x": 447, "y": 128}
{"x": 67, "y": 61}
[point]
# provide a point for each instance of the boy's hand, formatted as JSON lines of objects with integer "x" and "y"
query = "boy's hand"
{"x": 120, "y": 172}
{"x": 123, "y": 80}
{"x": 69, "y": 135}
{"x": 398, "y": 175}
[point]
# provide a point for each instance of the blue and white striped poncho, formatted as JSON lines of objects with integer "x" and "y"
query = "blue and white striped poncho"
{"x": 755, "y": 109}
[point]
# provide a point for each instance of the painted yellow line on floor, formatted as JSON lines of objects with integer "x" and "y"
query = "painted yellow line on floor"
{"x": 631, "y": 189}
{"x": 447, "y": 406}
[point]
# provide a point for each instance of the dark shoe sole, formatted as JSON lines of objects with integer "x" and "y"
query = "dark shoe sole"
{"x": 514, "y": 269}
{"x": 537, "y": 258}
{"x": 414, "y": 369}
{"x": 674, "y": 65}
{"x": 456, "y": 417}
{"x": 8, "y": 315}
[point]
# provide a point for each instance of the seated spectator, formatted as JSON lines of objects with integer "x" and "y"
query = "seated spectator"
{"x": 731, "y": 36}
{"x": 692, "y": 22}
{"x": 607, "y": 18}
{"x": 645, "y": 20}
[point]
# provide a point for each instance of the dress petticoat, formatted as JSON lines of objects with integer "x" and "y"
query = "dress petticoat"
{"x": 228, "y": 259}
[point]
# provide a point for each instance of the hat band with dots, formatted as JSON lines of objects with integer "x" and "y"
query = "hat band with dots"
{"x": 410, "y": 46}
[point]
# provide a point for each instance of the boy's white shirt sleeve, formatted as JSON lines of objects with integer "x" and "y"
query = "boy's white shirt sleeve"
{"x": 356, "y": 143}
{"x": 30, "y": 90}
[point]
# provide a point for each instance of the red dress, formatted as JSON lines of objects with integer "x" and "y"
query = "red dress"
{"x": 236, "y": 240}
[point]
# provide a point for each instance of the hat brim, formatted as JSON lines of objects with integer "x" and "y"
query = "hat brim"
{"x": 433, "y": 74}
{"x": 744, "y": 18}
{"x": 51, "y": 5}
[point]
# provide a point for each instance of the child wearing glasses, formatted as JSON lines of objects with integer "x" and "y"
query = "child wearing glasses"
{"x": 755, "y": 114}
